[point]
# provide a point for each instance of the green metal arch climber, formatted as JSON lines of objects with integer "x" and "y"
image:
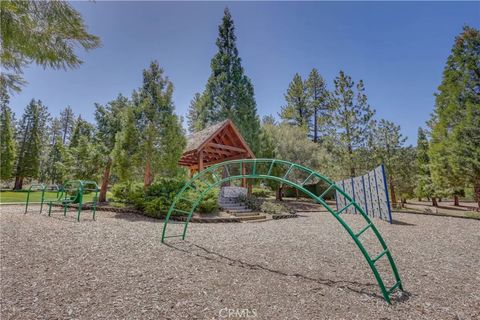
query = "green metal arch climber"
{"x": 288, "y": 173}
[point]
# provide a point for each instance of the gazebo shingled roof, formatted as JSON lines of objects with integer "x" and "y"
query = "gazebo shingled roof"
{"x": 217, "y": 143}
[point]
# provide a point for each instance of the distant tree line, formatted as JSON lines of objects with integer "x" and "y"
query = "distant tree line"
{"x": 331, "y": 129}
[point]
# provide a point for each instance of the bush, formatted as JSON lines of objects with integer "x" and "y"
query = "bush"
{"x": 272, "y": 208}
{"x": 251, "y": 202}
{"x": 261, "y": 192}
{"x": 155, "y": 200}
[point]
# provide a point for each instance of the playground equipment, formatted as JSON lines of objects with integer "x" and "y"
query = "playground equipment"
{"x": 71, "y": 192}
{"x": 293, "y": 175}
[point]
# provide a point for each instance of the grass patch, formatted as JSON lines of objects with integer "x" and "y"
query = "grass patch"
{"x": 35, "y": 196}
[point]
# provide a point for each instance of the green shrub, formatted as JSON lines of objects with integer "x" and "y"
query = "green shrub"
{"x": 251, "y": 202}
{"x": 261, "y": 192}
{"x": 272, "y": 208}
{"x": 155, "y": 200}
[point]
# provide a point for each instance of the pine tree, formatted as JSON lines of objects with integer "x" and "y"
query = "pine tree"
{"x": 67, "y": 122}
{"x": 229, "y": 93}
{"x": 57, "y": 168}
{"x": 126, "y": 153}
{"x": 388, "y": 147}
{"x": 162, "y": 140}
{"x": 352, "y": 119}
{"x": 455, "y": 146}
{"x": 424, "y": 185}
{"x": 7, "y": 142}
{"x": 108, "y": 125}
{"x": 31, "y": 138}
{"x": 47, "y": 33}
{"x": 297, "y": 110}
{"x": 318, "y": 104}
{"x": 196, "y": 114}
{"x": 81, "y": 129}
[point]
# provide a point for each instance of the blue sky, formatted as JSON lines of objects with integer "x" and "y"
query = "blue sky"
{"x": 399, "y": 49}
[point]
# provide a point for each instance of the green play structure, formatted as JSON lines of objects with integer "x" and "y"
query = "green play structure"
{"x": 71, "y": 192}
{"x": 291, "y": 174}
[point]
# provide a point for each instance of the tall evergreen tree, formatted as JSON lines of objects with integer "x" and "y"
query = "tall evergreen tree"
{"x": 58, "y": 164}
{"x": 352, "y": 119}
{"x": 162, "y": 139}
{"x": 388, "y": 146}
{"x": 229, "y": 92}
{"x": 108, "y": 125}
{"x": 7, "y": 142}
{"x": 319, "y": 104}
{"x": 31, "y": 137}
{"x": 43, "y": 32}
{"x": 126, "y": 153}
{"x": 81, "y": 129}
{"x": 455, "y": 142}
{"x": 297, "y": 110}
{"x": 424, "y": 186}
{"x": 196, "y": 113}
{"x": 67, "y": 122}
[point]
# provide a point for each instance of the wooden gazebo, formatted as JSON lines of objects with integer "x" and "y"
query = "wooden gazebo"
{"x": 217, "y": 143}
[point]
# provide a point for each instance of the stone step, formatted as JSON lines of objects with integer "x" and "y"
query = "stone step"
{"x": 232, "y": 207}
{"x": 242, "y": 213}
{"x": 253, "y": 218}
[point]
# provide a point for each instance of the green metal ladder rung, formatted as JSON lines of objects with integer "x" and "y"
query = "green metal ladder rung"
{"x": 384, "y": 252}
{"x": 189, "y": 200}
{"x": 395, "y": 286}
{"x": 308, "y": 178}
{"x": 182, "y": 211}
{"x": 254, "y": 170}
{"x": 344, "y": 208}
{"x": 271, "y": 167}
{"x": 176, "y": 236}
{"x": 326, "y": 191}
{"x": 228, "y": 171}
{"x": 363, "y": 230}
{"x": 288, "y": 172}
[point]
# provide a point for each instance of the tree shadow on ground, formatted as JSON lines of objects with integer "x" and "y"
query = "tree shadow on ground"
{"x": 369, "y": 289}
{"x": 402, "y": 223}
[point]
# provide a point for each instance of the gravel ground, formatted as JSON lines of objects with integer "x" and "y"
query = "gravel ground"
{"x": 304, "y": 268}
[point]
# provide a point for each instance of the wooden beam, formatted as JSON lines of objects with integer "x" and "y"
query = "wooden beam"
{"x": 222, "y": 146}
{"x": 236, "y": 157}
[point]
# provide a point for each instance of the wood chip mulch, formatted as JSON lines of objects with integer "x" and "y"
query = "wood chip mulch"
{"x": 304, "y": 268}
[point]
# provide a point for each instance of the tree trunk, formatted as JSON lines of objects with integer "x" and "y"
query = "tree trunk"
{"x": 392, "y": 191}
{"x": 477, "y": 191}
{"x": 434, "y": 202}
{"x": 439, "y": 199}
{"x": 419, "y": 199}
{"x": 315, "y": 125}
{"x": 106, "y": 177}
{"x": 147, "y": 179}
{"x": 456, "y": 202}
{"x": 18, "y": 183}
{"x": 279, "y": 193}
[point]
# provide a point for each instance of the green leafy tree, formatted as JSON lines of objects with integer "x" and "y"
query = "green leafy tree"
{"x": 352, "y": 120}
{"x": 297, "y": 110}
{"x": 424, "y": 186}
{"x": 7, "y": 142}
{"x": 389, "y": 149}
{"x": 319, "y": 105}
{"x": 31, "y": 138}
{"x": 67, "y": 123}
{"x": 82, "y": 129}
{"x": 229, "y": 92}
{"x": 161, "y": 136}
{"x": 43, "y": 32}
{"x": 58, "y": 162}
{"x": 126, "y": 153}
{"x": 108, "y": 125}
{"x": 454, "y": 146}
{"x": 196, "y": 113}
{"x": 86, "y": 160}
{"x": 405, "y": 174}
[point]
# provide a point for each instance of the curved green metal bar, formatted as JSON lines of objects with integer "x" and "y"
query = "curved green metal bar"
{"x": 39, "y": 186}
{"x": 254, "y": 174}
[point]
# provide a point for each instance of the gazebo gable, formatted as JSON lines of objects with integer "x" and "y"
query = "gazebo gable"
{"x": 217, "y": 143}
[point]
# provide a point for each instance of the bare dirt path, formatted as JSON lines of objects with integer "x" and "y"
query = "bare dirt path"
{"x": 304, "y": 268}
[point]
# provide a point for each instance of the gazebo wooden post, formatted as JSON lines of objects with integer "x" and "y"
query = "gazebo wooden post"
{"x": 244, "y": 171}
{"x": 200, "y": 161}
